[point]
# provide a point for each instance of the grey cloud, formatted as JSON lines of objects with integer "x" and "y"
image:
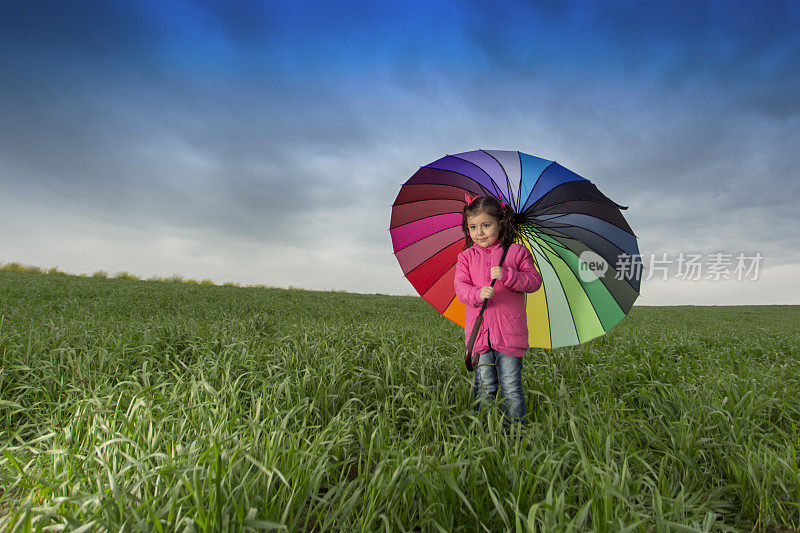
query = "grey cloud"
{"x": 234, "y": 161}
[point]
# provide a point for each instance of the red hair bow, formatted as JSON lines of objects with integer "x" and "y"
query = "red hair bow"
{"x": 469, "y": 199}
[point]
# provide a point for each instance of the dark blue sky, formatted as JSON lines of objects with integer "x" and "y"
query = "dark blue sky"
{"x": 204, "y": 137}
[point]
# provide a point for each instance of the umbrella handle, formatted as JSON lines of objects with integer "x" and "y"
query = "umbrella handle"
{"x": 471, "y": 359}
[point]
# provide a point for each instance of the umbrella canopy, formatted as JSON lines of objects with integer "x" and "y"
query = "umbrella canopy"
{"x": 585, "y": 250}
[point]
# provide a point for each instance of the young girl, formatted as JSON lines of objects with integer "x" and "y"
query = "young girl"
{"x": 489, "y": 228}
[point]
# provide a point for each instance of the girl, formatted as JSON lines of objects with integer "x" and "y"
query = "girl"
{"x": 489, "y": 228}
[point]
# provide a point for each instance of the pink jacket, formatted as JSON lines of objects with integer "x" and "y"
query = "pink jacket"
{"x": 505, "y": 313}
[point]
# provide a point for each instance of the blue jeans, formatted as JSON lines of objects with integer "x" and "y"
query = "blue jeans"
{"x": 506, "y": 370}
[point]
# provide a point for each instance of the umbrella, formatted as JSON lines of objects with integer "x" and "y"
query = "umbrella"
{"x": 583, "y": 247}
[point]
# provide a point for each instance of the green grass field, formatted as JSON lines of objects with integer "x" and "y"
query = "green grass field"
{"x": 163, "y": 406}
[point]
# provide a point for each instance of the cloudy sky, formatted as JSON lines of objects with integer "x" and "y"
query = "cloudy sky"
{"x": 264, "y": 142}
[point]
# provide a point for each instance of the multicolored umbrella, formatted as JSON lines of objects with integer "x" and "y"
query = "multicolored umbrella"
{"x": 585, "y": 250}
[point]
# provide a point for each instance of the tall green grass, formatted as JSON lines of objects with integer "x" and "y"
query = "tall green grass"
{"x": 164, "y": 406}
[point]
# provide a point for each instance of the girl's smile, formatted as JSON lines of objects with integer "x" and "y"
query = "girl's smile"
{"x": 483, "y": 229}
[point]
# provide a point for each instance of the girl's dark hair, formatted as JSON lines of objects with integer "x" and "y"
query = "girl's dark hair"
{"x": 491, "y": 206}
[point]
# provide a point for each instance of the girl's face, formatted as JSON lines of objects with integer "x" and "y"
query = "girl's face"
{"x": 483, "y": 229}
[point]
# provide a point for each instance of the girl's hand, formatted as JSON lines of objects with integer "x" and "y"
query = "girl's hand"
{"x": 496, "y": 273}
{"x": 487, "y": 292}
